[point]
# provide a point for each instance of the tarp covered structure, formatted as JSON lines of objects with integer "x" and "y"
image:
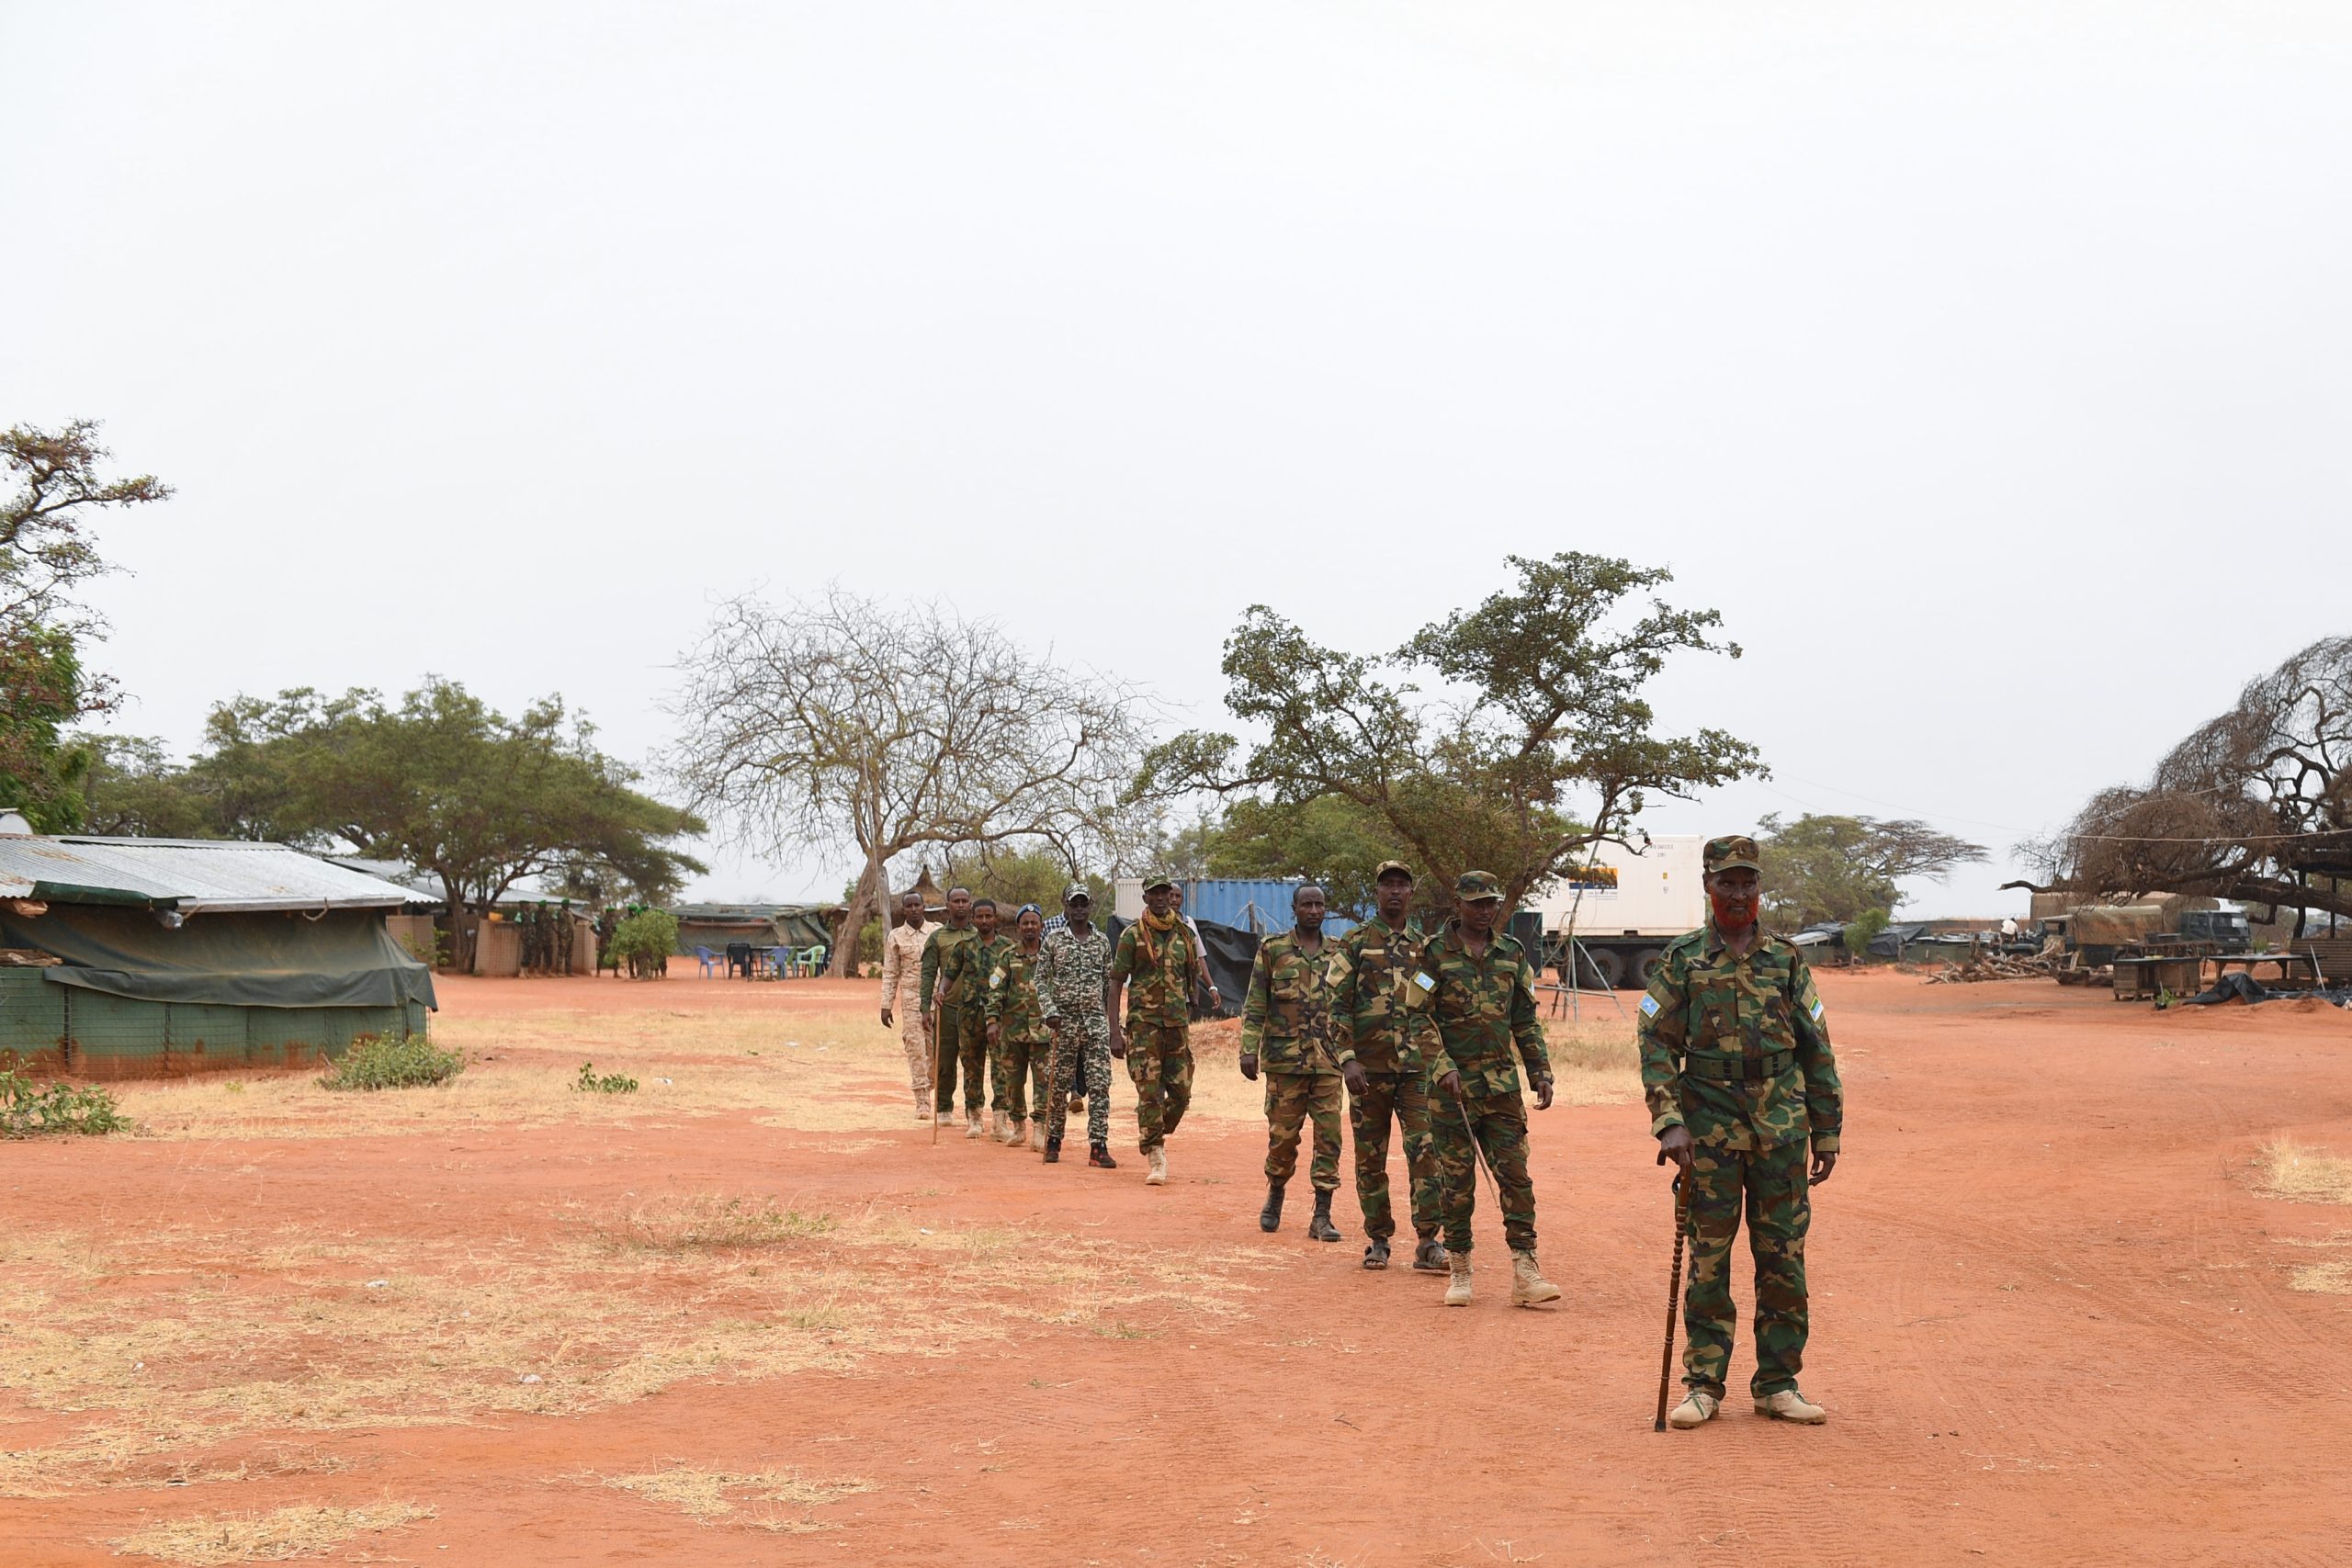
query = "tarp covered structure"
{"x": 343, "y": 958}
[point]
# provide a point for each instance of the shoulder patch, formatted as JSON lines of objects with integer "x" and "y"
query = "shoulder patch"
{"x": 1649, "y": 1006}
{"x": 1817, "y": 1010}
{"x": 1424, "y": 981}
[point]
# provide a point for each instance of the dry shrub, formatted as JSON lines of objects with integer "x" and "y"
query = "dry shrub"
{"x": 704, "y": 1221}
{"x": 282, "y": 1535}
{"x": 710, "y": 1495}
{"x": 2303, "y": 1175}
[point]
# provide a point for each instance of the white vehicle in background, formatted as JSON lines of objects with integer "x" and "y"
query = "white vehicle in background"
{"x": 1622, "y": 906}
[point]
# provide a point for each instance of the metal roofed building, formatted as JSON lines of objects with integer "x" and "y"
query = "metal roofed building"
{"x": 143, "y": 957}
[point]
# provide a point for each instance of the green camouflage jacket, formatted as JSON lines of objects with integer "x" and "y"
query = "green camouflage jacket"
{"x": 1466, "y": 1013}
{"x": 1285, "y": 1018}
{"x": 964, "y": 976}
{"x": 1012, "y": 996}
{"x": 1369, "y": 970}
{"x": 1157, "y": 992}
{"x": 1727, "y": 1017}
{"x": 1072, "y": 971}
{"x": 935, "y": 950}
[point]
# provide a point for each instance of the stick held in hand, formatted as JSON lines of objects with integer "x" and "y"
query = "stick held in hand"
{"x": 1673, "y": 1292}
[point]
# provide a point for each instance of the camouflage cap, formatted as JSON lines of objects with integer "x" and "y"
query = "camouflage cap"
{"x": 1398, "y": 866}
{"x": 1157, "y": 879}
{"x": 1731, "y": 853}
{"x": 1477, "y": 886}
{"x": 1075, "y": 892}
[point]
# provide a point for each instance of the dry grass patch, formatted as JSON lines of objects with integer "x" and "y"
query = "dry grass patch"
{"x": 712, "y": 1497}
{"x": 2325, "y": 1279}
{"x": 2302, "y": 1174}
{"x": 230, "y": 1341}
{"x": 282, "y": 1535}
{"x": 818, "y": 1072}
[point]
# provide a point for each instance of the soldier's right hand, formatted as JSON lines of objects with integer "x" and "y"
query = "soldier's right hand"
{"x": 995, "y": 1029}
{"x": 1451, "y": 1085}
{"x": 1352, "y": 1073}
{"x": 885, "y": 1018}
{"x": 1675, "y": 1145}
{"x": 1249, "y": 1065}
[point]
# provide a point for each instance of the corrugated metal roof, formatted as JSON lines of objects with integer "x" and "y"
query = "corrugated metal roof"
{"x": 190, "y": 875}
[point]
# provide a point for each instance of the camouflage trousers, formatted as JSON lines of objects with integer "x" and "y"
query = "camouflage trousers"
{"x": 1498, "y": 1123}
{"x": 970, "y": 1049}
{"x": 1019, "y": 1069}
{"x": 1404, "y": 1098}
{"x": 1291, "y": 1100}
{"x": 1160, "y": 1059}
{"x": 907, "y": 1007}
{"x": 1768, "y": 1186}
{"x": 1085, "y": 1045}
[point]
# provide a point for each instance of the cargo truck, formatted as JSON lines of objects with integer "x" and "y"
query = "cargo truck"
{"x": 1622, "y": 906}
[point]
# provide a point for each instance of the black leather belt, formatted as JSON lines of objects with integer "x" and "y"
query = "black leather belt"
{"x": 1740, "y": 1070}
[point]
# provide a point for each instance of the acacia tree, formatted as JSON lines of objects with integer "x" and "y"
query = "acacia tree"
{"x": 1840, "y": 868}
{"x": 846, "y": 723}
{"x": 1539, "y": 744}
{"x": 2255, "y": 804}
{"x": 47, "y": 552}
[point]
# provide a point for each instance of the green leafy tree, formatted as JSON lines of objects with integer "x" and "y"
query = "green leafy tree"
{"x": 447, "y": 783}
{"x": 1538, "y": 714}
{"x": 1841, "y": 868}
{"x": 47, "y": 552}
{"x": 1331, "y": 839}
{"x": 1014, "y": 878}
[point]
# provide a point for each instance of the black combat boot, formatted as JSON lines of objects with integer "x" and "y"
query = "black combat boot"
{"x": 1376, "y": 1255}
{"x": 1099, "y": 1154}
{"x": 1053, "y": 1151}
{"x": 1270, "y": 1218}
{"x": 1320, "y": 1228}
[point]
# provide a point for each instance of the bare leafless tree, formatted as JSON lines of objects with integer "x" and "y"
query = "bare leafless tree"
{"x": 2256, "y": 804}
{"x": 847, "y": 722}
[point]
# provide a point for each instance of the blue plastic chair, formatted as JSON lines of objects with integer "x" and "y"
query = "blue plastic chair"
{"x": 709, "y": 960}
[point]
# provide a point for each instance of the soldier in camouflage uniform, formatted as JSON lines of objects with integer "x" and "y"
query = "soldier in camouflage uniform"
{"x": 966, "y": 971}
{"x": 1755, "y": 1084}
{"x": 944, "y": 1007}
{"x": 902, "y": 947}
{"x": 1285, "y": 1018}
{"x": 1471, "y": 1002}
{"x": 1385, "y": 1073}
{"x": 1018, "y": 1038}
{"x": 1155, "y": 964}
{"x": 1073, "y": 980}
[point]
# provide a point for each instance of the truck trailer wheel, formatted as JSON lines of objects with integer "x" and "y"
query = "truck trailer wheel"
{"x": 1604, "y": 968}
{"x": 1645, "y": 964}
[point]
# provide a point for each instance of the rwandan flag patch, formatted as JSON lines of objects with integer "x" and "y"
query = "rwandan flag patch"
{"x": 1649, "y": 1007}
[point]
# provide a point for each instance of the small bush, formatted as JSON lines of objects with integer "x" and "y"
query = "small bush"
{"x": 645, "y": 939}
{"x": 60, "y": 1109}
{"x": 409, "y": 1061}
{"x": 611, "y": 1083}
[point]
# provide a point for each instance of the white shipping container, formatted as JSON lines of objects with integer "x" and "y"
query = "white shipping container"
{"x": 1657, "y": 892}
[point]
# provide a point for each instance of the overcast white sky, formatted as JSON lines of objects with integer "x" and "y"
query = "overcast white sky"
{"x": 1987, "y": 364}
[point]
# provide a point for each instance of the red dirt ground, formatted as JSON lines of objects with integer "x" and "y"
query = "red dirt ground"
{"x": 2051, "y": 1322}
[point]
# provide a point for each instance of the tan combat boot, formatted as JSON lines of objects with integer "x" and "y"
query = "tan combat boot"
{"x": 1037, "y": 1133}
{"x": 922, "y": 1106}
{"x": 1528, "y": 1286}
{"x": 1698, "y": 1409}
{"x": 1790, "y": 1405}
{"x": 1015, "y": 1131}
{"x": 971, "y": 1124}
{"x": 1157, "y": 1175}
{"x": 1457, "y": 1288}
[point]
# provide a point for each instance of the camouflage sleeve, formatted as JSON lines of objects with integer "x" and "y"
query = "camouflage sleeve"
{"x": 1122, "y": 959}
{"x": 1664, "y": 1018}
{"x": 997, "y": 987}
{"x": 930, "y": 968}
{"x": 1825, "y": 1097}
{"x": 1421, "y": 1013}
{"x": 1048, "y": 981}
{"x": 1526, "y": 1028}
{"x": 1254, "y": 1005}
{"x": 890, "y": 968}
{"x": 1340, "y": 971}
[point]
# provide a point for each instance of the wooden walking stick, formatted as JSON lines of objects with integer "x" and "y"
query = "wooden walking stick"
{"x": 931, "y": 1055}
{"x": 1056, "y": 1103}
{"x": 1673, "y": 1292}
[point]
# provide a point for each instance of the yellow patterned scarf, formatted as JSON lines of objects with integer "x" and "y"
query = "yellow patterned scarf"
{"x": 1150, "y": 922}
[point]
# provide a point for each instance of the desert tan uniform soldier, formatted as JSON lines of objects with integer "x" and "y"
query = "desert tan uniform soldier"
{"x": 902, "y": 995}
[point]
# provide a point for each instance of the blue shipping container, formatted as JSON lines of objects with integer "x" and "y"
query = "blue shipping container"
{"x": 1258, "y": 904}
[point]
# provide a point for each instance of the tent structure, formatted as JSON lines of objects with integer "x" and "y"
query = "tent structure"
{"x": 152, "y": 957}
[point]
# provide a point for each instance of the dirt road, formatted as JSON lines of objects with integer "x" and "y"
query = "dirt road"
{"x": 2053, "y": 1323}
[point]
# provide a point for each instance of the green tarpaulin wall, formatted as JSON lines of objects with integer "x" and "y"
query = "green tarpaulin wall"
{"x": 343, "y": 958}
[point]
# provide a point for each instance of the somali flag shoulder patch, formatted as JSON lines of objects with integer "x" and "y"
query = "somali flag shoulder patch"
{"x": 1649, "y": 1007}
{"x": 1424, "y": 982}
